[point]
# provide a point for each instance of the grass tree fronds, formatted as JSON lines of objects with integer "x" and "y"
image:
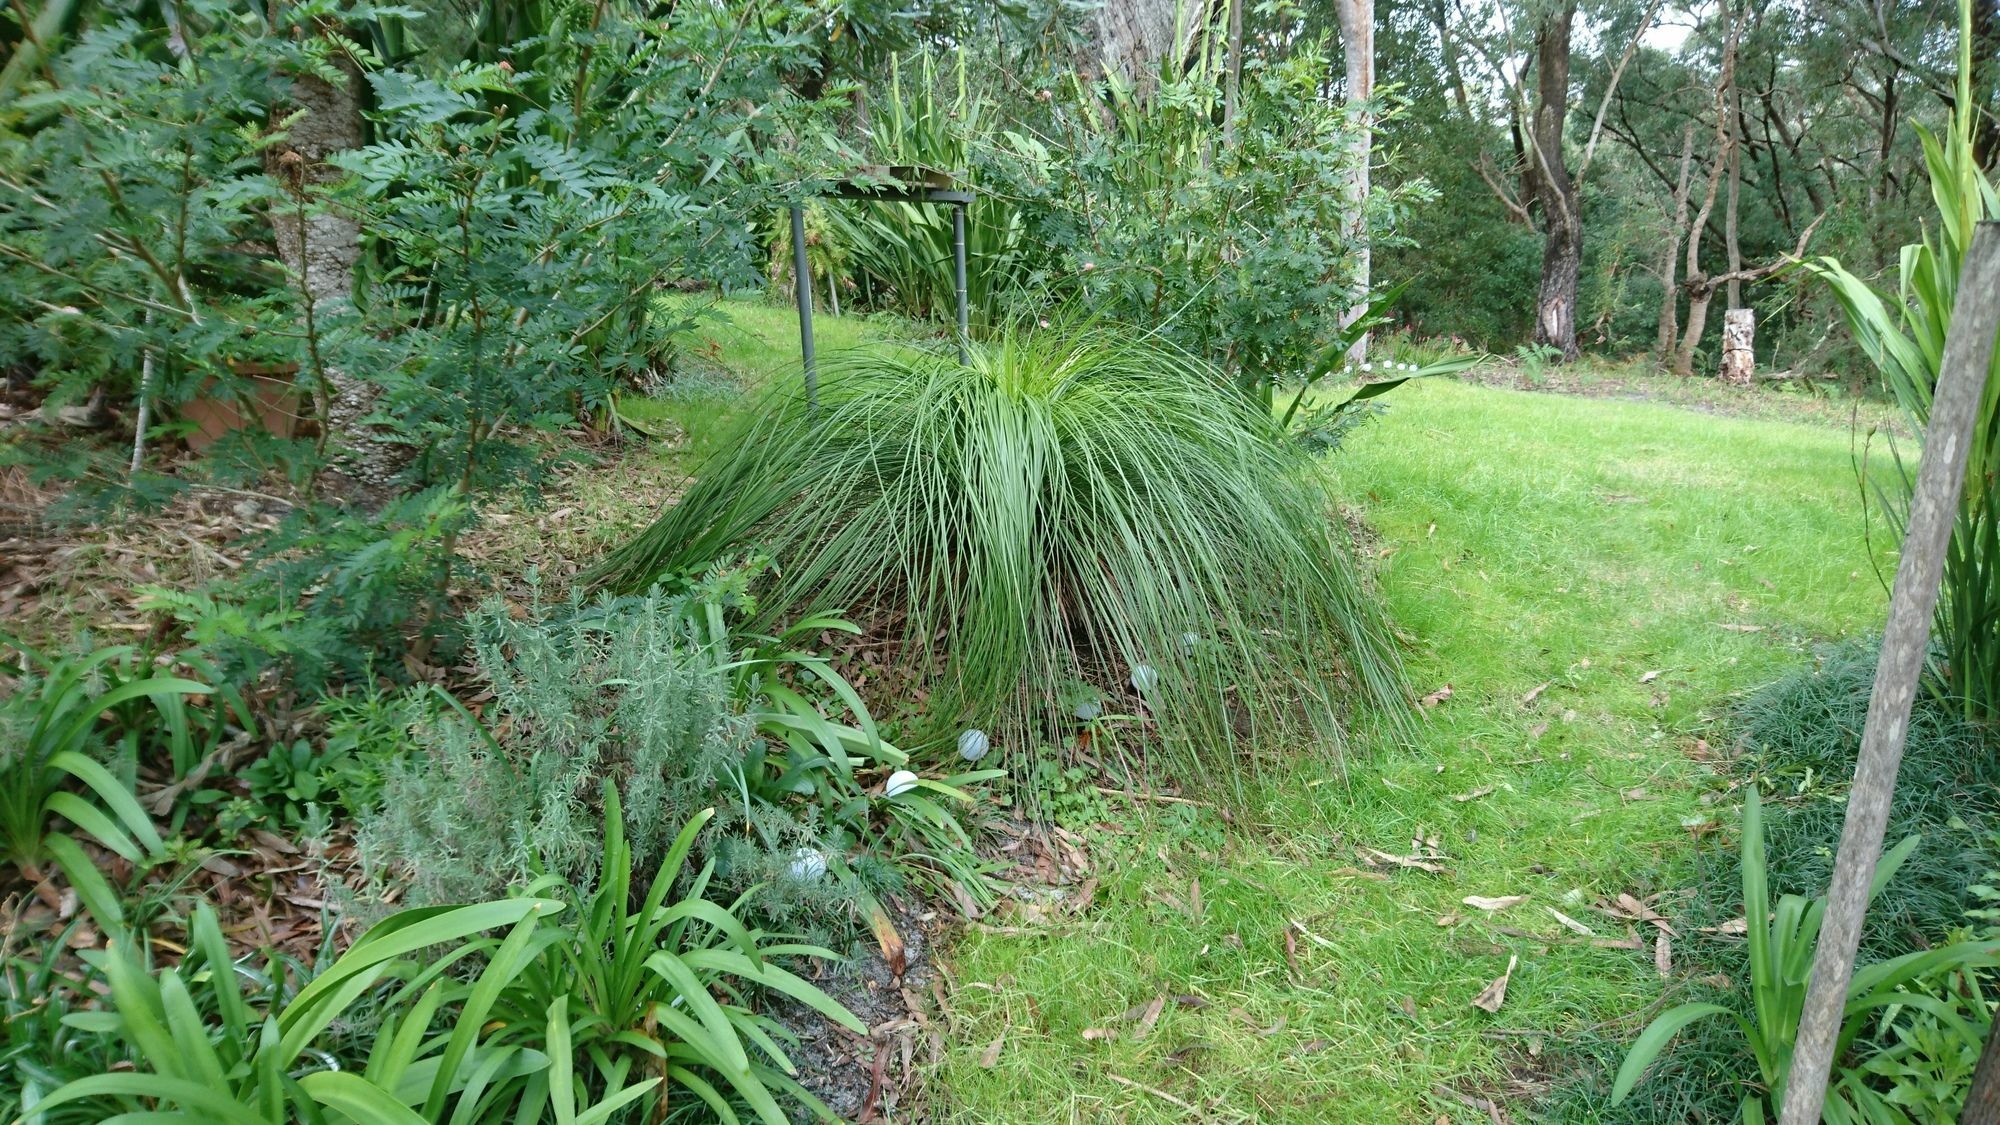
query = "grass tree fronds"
{"x": 1075, "y": 504}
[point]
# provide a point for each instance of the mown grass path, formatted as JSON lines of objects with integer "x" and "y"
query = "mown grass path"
{"x": 1596, "y": 580}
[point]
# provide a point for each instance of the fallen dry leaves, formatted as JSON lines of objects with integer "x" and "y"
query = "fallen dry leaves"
{"x": 1374, "y": 858}
{"x": 1494, "y": 995}
{"x": 1572, "y": 924}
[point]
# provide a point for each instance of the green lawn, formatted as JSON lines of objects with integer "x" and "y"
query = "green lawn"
{"x": 1596, "y": 579}
{"x": 1525, "y": 539}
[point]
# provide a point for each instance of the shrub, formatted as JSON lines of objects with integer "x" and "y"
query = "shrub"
{"x": 660, "y": 696}
{"x": 1780, "y": 948}
{"x": 1803, "y": 734}
{"x": 1904, "y": 334}
{"x": 900, "y": 254}
{"x": 1079, "y": 504}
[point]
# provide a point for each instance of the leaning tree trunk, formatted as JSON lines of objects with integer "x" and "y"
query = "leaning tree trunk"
{"x": 1357, "y": 35}
{"x": 319, "y": 247}
{"x": 1562, "y": 248}
{"x": 1701, "y": 290}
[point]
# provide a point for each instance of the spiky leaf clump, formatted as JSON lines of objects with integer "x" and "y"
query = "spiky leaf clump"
{"x": 1069, "y": 506}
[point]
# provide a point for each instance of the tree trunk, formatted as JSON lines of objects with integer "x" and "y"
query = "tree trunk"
{"x": 1232, "y": 90}
{"x": 1130, "y": 37}
{"x": 1562, "y": 249}
{"x": 319, "y": 247}
{"x": 1982, "y": 1101}
{"x": 1669, "y": 327}
{"x": 1357, "y": 35}
{"x": 1700, "y": 289}
{"x": 1699, "y": 296}
{"x": 1985, "y": 80}
{"x": 1732, "y": 244}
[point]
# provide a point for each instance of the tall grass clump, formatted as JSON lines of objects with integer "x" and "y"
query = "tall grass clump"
{"x": 1904, "y": 334}
{"x": 1079, "y": 507}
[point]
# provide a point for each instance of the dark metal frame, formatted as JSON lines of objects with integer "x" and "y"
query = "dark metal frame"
{"x": 956, "y": 198}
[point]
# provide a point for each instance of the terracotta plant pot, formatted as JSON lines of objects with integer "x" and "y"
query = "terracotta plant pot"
{"x": 272, "y": 403}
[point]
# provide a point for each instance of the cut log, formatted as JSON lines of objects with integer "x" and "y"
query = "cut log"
{"x": 1739, "y": 332}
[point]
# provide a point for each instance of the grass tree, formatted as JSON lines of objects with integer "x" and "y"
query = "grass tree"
{"x": 1074, "y": 509}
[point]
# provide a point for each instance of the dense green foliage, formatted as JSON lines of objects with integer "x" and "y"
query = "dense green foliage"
{"x": 1078, "y": 506}
{"x": 665, "y": 698}
{"x": 1921, "y": 987}
{"x": 50, "y": 739}
{"x": 1141, "y": 207}
{"x": 372, "y": 279}
{"x": 560, "y": 1020}
{"x": 1803, "y": 734}
{"x": 1904, "y": 335}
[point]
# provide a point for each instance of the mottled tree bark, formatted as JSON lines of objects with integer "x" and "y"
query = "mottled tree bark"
{"x": 1985, "y": 81}
{"x": 319, "y": 247}
{"x": 1130, "y": 37}
{"x": 1701, "y": 289}
{"x": 1562, "y": 219}
{"x": 1669, "y": 325}
{"x": 1357, "y": 36}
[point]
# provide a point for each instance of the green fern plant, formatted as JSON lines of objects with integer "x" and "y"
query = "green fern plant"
{"x": 1075, "y": 504}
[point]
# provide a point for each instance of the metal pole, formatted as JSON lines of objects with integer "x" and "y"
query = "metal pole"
{"x": 1968, "y": 353}
{"x": 958, "y": 271}
{"x": 802, "y": 286}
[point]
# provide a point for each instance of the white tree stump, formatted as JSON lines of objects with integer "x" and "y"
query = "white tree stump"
{"x": 1739, "y": 334}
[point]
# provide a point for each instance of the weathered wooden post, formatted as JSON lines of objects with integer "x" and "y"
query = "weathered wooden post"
{"x": 1739, "y": 358}
{"x": 1968, "y": 353}
{"x": 1982, "y": 1101}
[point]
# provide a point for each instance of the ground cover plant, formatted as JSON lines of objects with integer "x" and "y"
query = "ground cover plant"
{"x": 667, "y": 700}
{"x": 1079, "y": 506}
{"x": 1779, "y": 948}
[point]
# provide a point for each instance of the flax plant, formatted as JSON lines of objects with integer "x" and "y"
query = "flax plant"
{"x": 1904, "y": 334}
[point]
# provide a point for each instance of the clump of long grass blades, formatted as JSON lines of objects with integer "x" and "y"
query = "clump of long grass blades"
{"x": 1073, "y": 504}
{"x": 1904, "y": 333}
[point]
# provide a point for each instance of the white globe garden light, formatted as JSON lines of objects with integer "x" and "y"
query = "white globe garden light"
{"x": 808, "y": 863}
{"x": 1145, "y": 678}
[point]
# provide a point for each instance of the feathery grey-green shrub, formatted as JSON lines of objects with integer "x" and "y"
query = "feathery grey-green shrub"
{"x": 593, "y": 693}
{"x": 662, "y": 696}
